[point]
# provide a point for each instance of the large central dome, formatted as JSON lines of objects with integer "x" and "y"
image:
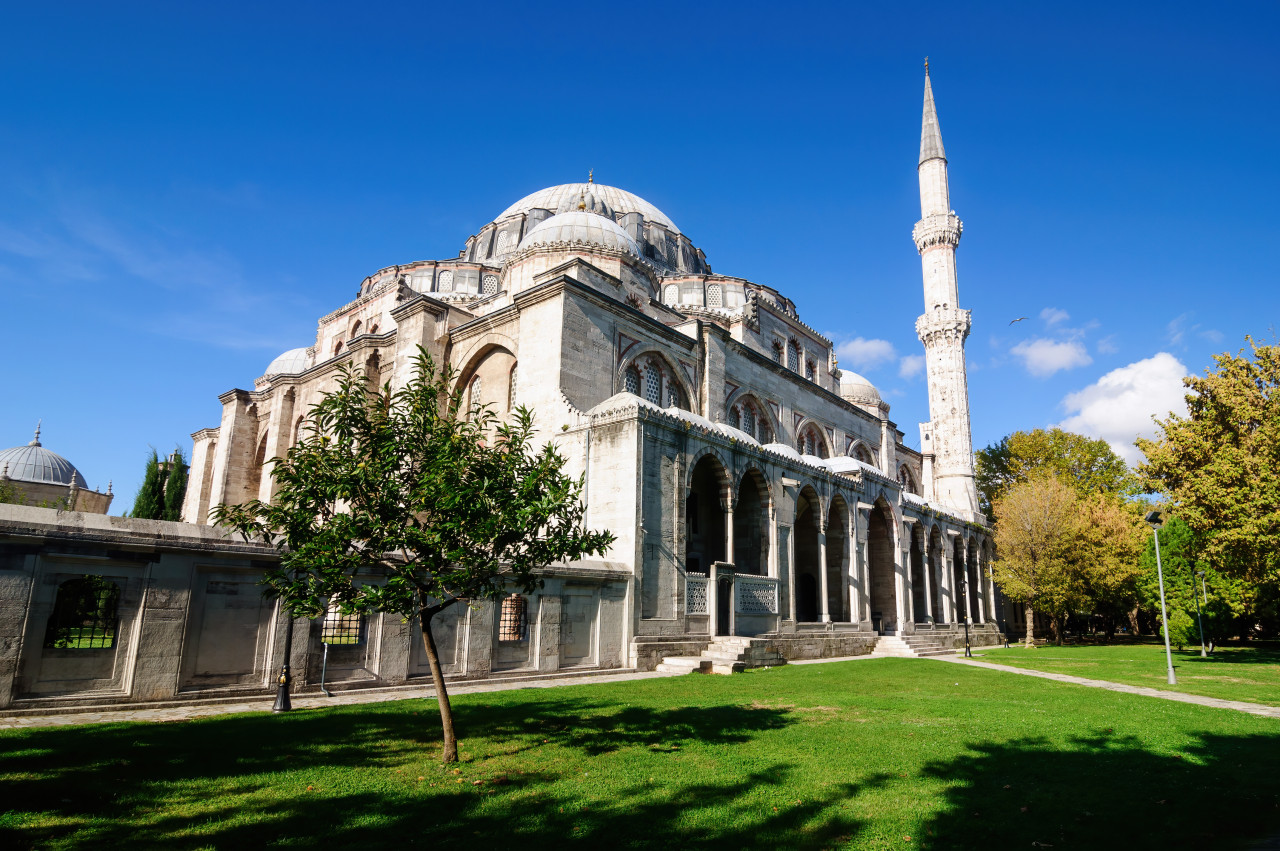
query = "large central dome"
{"x": 567, "y": 197}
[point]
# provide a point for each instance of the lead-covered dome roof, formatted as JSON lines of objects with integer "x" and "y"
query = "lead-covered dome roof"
{"x": 291, "y": 362}
{"x": 580, "y": 228}
{"x": 858, "y": 390}
{"x": 571, "y": 197}
{"x": 34, "y": 463}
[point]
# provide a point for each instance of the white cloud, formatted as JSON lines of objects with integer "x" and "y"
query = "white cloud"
{"x": 1043, "y": 358}
{"x": 1052, "y": 315}
{"x": 863, "y": 354}
{"x": 1107, "y": 345}
{"x": 1118, "y": 407}
{"x": 911, "y": 366}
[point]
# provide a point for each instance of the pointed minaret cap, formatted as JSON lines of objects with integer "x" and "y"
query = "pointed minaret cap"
{"x": 930, "y": 132}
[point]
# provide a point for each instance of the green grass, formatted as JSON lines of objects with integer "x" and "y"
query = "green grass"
{"x": 875, "y": 754}
{"x": 1231, "y": 673}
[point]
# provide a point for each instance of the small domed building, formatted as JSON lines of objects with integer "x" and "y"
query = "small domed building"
{"x": 755, "y": 489}
{"x": 42, "y": 477}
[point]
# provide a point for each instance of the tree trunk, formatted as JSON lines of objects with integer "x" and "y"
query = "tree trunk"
{"x": 450, "y": 753}
{"x": 1031, "y": 620}
{"x": 1055, "y": 624}
{"x": 1134, "y": 627}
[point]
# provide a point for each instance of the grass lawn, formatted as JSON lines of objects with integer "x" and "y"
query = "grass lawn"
{"x": 1231, "y": 673}
{"x": 891, "y": 753}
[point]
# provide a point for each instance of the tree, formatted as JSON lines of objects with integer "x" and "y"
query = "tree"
{"x": 393, "y": 502}
{"x": 175, "y": 486}
{"x": 149, "y": 503}
{"x": 1103, "y": 556}
{"x": 1220, "y": 465}
{"x": 1087, "y": 465}
{"x": 1037, "y": 518}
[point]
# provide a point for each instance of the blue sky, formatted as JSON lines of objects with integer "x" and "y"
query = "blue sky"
{"x": 185, "y": 190}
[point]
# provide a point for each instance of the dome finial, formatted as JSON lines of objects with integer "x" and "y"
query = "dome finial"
{"x": 591, "y": 175}
{"x": 35, "y": 441}
{"x": 926, "y": 66}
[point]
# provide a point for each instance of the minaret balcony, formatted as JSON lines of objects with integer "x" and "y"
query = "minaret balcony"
{"x": 943, "y": 323}
{"x": 937, "y": 230}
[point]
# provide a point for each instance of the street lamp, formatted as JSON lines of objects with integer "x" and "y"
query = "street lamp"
{"x": 1154, "y": 521}
{"x": 282, "y": 690}
{"x": 964, "y": 589}
{"x": 1199, "y": 620}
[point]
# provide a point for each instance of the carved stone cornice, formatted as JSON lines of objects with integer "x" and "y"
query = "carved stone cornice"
{"x": 937, "y": 230}
{"x": 944, "y": 323}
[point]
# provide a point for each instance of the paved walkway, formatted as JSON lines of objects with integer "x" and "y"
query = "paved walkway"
{"x": 1239, "y": 705}
{"x": 260, "y": 703}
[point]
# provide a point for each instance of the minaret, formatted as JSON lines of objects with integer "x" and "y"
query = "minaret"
{"x": 946, "y": 439}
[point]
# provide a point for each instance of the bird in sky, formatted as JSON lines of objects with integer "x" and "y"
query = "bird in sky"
{"x": 1019, "y": 319}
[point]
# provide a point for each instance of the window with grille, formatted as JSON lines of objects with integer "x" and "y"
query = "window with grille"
{"x": 673, "y": 395}
{"x": 504, "y": 241}
{"x": 337, "y": 628}
{"x": 513, "y": 619}
{"x": 810, "y": 370}
{"x": 749, "y": 420}
{"x": 777, "y": 351}
{"x": 632, "y": 378}
{"x": 671, "y": 295}
{"x": 85, "y": 615}
{"x": 446, "y": 281}
{"x": 489, "y": 285}
{"x": 511, "y": 388}
{"x": 653, "y": 384}
{"x": 714, "y": 296}
{"x": 735, "y": 418}
{"x": 475, "y": 401}
{"x": 793, "y": 356}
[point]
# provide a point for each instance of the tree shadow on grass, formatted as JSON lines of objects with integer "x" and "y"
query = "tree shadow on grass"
{"x": 1105, "y": 791}
{"x": 245, "y": 782}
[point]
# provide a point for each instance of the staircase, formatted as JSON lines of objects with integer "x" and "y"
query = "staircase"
{"x": 910, "y": 646}
{"x": 726, "y": 655}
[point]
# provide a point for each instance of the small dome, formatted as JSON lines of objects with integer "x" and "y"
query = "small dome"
{"x": 34, "y": 463}
{"x": 856, "y": 389}
{"x": 568, "y": 196}
{"x": 291, "y": 362}
{"x": 581, "y": 228}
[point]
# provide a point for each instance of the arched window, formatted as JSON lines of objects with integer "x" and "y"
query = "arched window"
{"x": 793, "y": 356}
{"x": 810, "y": 369}
{"x": 810, "y": 442}
{"x": 863, "y": 454}
{"x": 777, "y": 351}
{"x": 373, "y": 329}
{"x": 511, "y": 388}
{"x": 907, "y": 480}
{"x": 85, "y": 615}
{"x": 653, "y": 383}
{"x": 504, "y": 242}
{"x": 735, "y": 417}
{"x": 475, "y": 395}
{"x": 715, "y": 297}
{"x": 747, "y": 416}
{"x": 632, "y": 379}
{"x": 671, "y": 294}
{"x": 674, "y": 398}
{"x": 446, "y": 281}
{"x": 355, "y": 329}
{"x": 490, "y": 284}
{"x": 337, "y": 348}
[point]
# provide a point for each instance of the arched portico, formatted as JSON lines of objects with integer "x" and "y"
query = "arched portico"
{"x": 704, "y": 510}
{"x": 880, "y": 568}
{"x": 942, "y": 598}
{"x": 751, "y": 525}
{"x": 809, "y": 558}
{"x": 838, "y": 553}
{"x": 919, "y": 574}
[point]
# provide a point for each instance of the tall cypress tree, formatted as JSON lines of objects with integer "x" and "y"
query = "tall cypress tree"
{"x": 149, "y": 503}
{"x": 175, "y": 486}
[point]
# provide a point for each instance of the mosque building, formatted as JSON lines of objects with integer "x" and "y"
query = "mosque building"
{"x": 764, "y": 503}
{"x": 40, "y": 477}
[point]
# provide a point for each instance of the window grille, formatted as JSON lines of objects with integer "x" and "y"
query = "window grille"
{"x": 671, "y": 295}
{"x": 475, "y": 401}
{"x": 337, "y": 628}
{"x": 793, "y": 357}
{"x": 513, "y": 620}
{"x": 673, "y": 395}
{"x": 85, "y": 614}
{"x": 749, "y": 420}
{"x": 777, "y": 351}
{"x": 511, "y": 388}
{"x": 632, "y": 377}
{"x": 810, "y": 370}
{"x": 714, "y": 296}
{"x": 735, "y": 418}
{"x": 446, "y": 281}
{"x": 653, "y": 384}
{"x": 490, "y": 284}
{"x": 504, "y": 240}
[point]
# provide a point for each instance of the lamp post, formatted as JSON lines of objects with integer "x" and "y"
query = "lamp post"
{"x": 1154, "y": 521}
{"x": 282, "y": 690}
{"x": 1199, "y": 620}
{"x": 964, "y": 589}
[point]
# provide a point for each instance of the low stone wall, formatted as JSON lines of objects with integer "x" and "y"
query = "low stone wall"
{"x": 646, "y": 653}
{"x": 822, "y": 645}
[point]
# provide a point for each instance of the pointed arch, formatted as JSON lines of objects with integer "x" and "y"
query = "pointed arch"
{"x": 809, "y": 520}
{"x": 811, "y": 439}
{"x": 661, "y": 383}
{"x": 751, "y": 523}
{"x": 881, "y": 567}
{"x": 707, "y": 494}
{"x": 839, "y": 556}
{"x": 745, "y": 411}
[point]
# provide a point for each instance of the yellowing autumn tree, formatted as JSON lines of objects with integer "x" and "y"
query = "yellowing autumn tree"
{"x": 1037, "y": 522}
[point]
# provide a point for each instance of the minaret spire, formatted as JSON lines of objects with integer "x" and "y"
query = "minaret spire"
{"x": 946, "y": 440}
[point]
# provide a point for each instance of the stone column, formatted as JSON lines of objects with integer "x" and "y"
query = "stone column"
{"x": 824, "y": 607}
{"x": 728, "y": 533}
{"x": 862, "y": 514}
{"x": 926, "y": 570}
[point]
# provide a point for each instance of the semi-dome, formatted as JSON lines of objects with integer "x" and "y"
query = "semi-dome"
{"x": 581, "y": 228}
{"x": 34, "y": 463}
{"x": 292, "y": 362}
{"x": 573, "y": 197}
{"x": 856, "y": 389}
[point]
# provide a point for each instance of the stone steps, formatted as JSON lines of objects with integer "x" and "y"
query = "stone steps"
{"x": 726, "y": 655}
{"x": 909, "y": 647}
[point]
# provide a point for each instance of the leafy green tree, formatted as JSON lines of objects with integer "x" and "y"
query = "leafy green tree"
{"x": 394, "y": 502}
{"x": 1103, "y": 557}
{"x": 149, "y": 503}
{"x": 1085, "y": 464}
{"x": 175, "y": 486}
{"x": 1220, "y": 465}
